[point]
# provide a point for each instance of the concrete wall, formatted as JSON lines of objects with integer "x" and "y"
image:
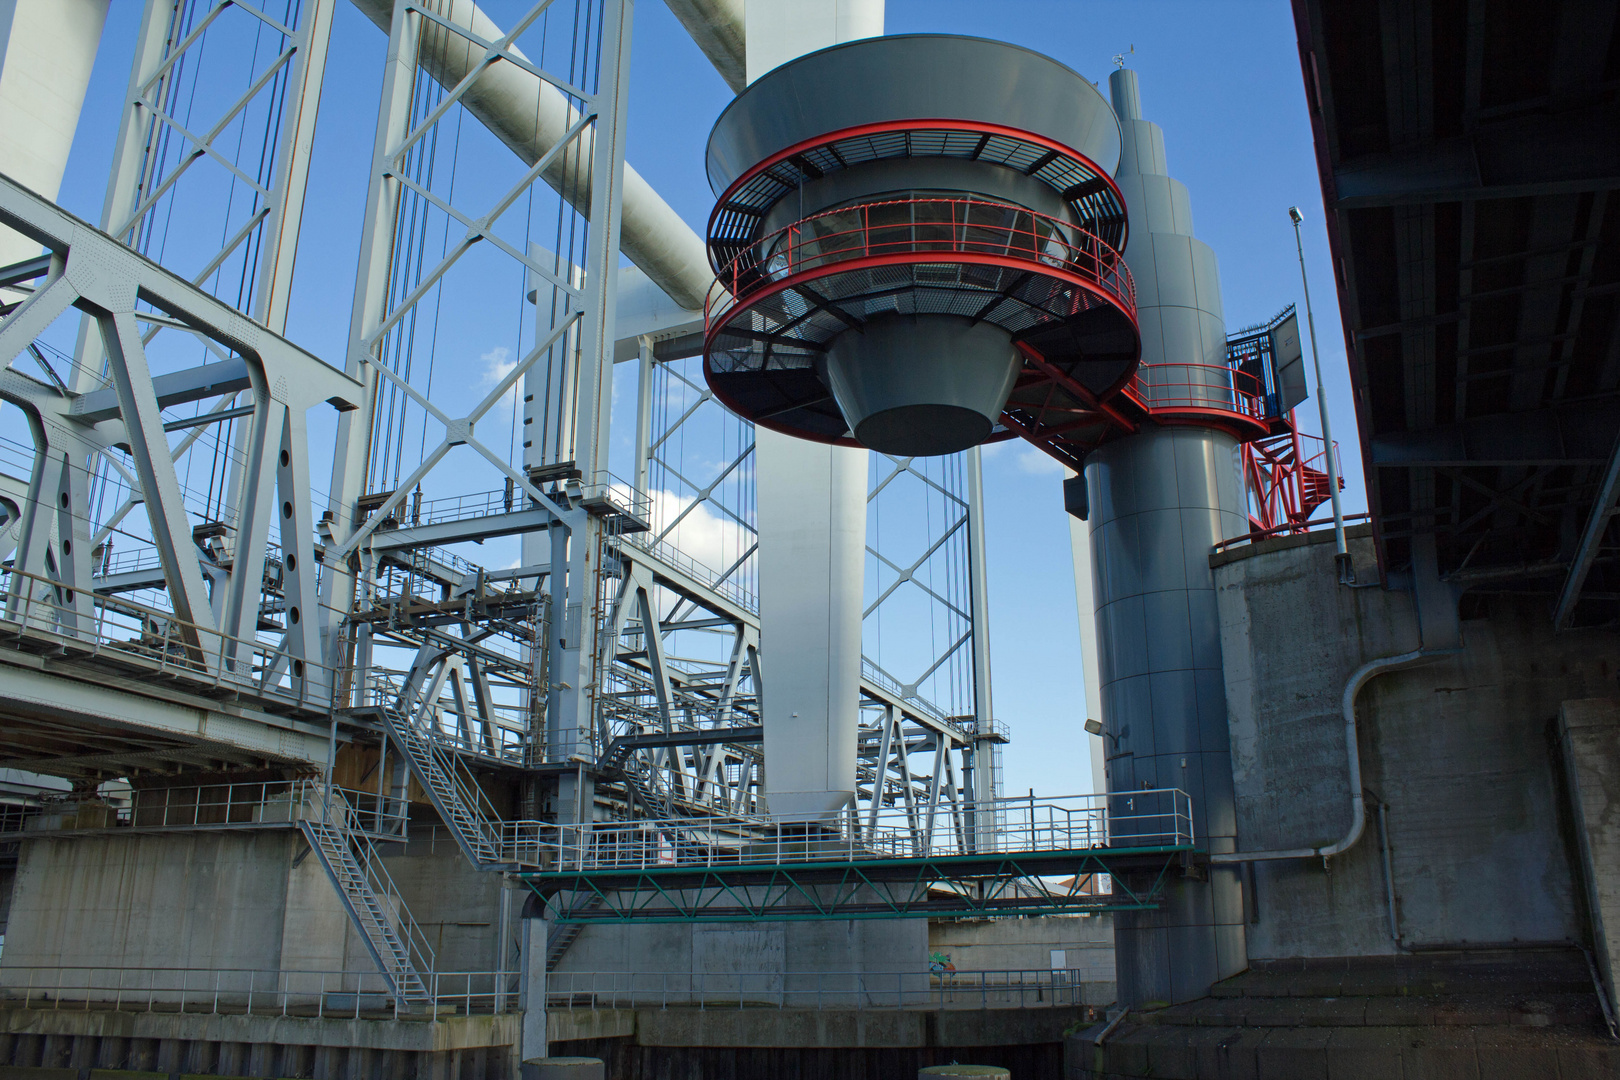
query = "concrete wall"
{"x": 1589, "y": 734}
{"x": 1462, "y": 751}
{"x": 201, "y": 900}
{"x": 1087, "y": 943}
{"x": 689, "y": 961}
{"x": 457, "y": 907}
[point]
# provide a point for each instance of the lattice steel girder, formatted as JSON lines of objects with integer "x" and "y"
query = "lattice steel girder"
{"x": 973, "y": 885}
{"x": 90, "y": 270}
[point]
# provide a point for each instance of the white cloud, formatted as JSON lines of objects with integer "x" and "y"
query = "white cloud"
{"x": 1036, "y": 463}
{"x": 704, "y": 535}
{"x": 497, "y": 365}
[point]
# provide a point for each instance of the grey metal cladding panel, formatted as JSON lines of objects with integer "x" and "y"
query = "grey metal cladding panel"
{"x": 1186, "y": 905}
{"x": 1175, "y": 713}
{"x": 1202, "y": 530}
{"x": 1164, "y": 564}
{"x": 1169, "y": 631}
{"x": 1182, "y": 342}
{"x": 1218, "y": 816}
{"x": 911, "y": 77}
{"x": 1147, "y": 976}
{"x": 1150, "y": 203}
{"x": 1231, "y": 946}
{"x": 1142, "y": 148}
{"x": 1122, "y": 633}
{"x": 1205, "y": 631}
{"x": 1207, "y": 281}
{"x": 1173, "y": 258}
{"x": 1128, "y": 709}
{"x": 1208, "y": 473}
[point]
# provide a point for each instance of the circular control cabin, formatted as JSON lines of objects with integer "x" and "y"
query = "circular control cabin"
{"x": 906, "y": 229}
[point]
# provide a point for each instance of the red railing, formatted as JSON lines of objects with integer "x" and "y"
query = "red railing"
{"x": 1287, "y": 478}
{"x": 1199, "y": 389}
{"x": 920, "y": 230}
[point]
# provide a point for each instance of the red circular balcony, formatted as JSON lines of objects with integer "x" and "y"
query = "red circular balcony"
{"x": 780, "y": 300}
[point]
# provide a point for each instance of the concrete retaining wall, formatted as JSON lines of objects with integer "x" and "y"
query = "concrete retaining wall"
{"x": 1087, "y": 944}
{"x": 191, "y": 900}
{"x": 1462, "y": 751}
{"x": 765, "y": 960}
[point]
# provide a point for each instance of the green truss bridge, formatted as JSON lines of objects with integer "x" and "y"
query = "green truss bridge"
{"x": 1026, "y": 856}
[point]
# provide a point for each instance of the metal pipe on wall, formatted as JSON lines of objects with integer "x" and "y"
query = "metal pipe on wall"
{"x": 1358, "y": 800}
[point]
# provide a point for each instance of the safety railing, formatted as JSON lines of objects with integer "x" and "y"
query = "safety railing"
{"x": 1159, "y": 818}
{"x": 921, "y": 230}
{"x": 236, "y": 805}
{"x": 503, "y": 735}
{"x": 337, "y": 811}
{"x": 331, "y": 994}
{"x": 1200, "y": 388}
{"x": 88, "y": 624}
{"x": 606, "y": 490}
{"x": 822, "y": 990}
{"x": 703, "y": 574}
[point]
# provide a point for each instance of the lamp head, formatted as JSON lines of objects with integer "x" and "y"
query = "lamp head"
{"x": 1094, "y": 726}
{"x": 1294, "y": 215}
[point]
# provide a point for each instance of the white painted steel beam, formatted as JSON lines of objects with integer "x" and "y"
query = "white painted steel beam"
{"x": 49, "y": 50}
{"x": 718, "y": 28}
{"x": 30, "y": 690}
{"x": 531, "y": 116}
{"x": 811, "y": 522}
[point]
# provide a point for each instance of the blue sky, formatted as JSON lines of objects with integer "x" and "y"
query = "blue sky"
{"x": 1220, "y": 76}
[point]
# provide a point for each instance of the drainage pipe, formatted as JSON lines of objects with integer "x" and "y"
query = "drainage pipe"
{"x": 1358, "y": 801}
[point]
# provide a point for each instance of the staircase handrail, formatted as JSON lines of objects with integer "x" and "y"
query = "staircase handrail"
{"x": 401, "y": 711}
{"x": 417, "y": 946}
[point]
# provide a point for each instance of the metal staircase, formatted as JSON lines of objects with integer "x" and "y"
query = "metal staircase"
{"x": 464, "y": 808}
{"x": 368, "y": 892}
{"x": 563, "y": 934}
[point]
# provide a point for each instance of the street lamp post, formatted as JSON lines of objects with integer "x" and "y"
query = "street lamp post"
{"x": 1342, "y": 550}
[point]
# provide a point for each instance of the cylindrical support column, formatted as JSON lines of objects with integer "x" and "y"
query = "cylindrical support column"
{"x": 1160, "y": 500}
{"x": 812, "y": 555}
{"x": 812, "y": 527}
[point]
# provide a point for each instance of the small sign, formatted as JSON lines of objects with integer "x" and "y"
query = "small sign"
{"x": 1060, "y": 960}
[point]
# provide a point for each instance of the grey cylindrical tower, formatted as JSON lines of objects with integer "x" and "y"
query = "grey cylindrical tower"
{"x": 1160, "y": 499}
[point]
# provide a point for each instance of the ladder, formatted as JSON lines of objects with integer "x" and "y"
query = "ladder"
{"x": 352, "y": 863}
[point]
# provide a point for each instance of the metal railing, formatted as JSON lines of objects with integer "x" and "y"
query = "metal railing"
{"x": 932, "y": 230}
{"x": 236, "y": 805}
{"x": 1197, "y": 387}
{"x": 118, "y": 629}
{"x": 607, "y": 488}
{"x": 702, "y": 573}
{"x": 1153, "y": 819}
{"x": 502, "y": 736}
{"x": 819, "y": 990}
{"x": 337, "y": 812}
{"x": 253, "y": 992}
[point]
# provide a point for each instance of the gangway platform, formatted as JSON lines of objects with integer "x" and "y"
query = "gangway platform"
{"x": 1021, "y": 856}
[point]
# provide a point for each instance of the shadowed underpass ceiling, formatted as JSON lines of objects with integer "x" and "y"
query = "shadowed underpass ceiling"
{"x": 1470, "y": 153}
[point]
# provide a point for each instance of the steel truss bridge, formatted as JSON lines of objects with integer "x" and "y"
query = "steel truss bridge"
{"x": 586, "y": 719}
